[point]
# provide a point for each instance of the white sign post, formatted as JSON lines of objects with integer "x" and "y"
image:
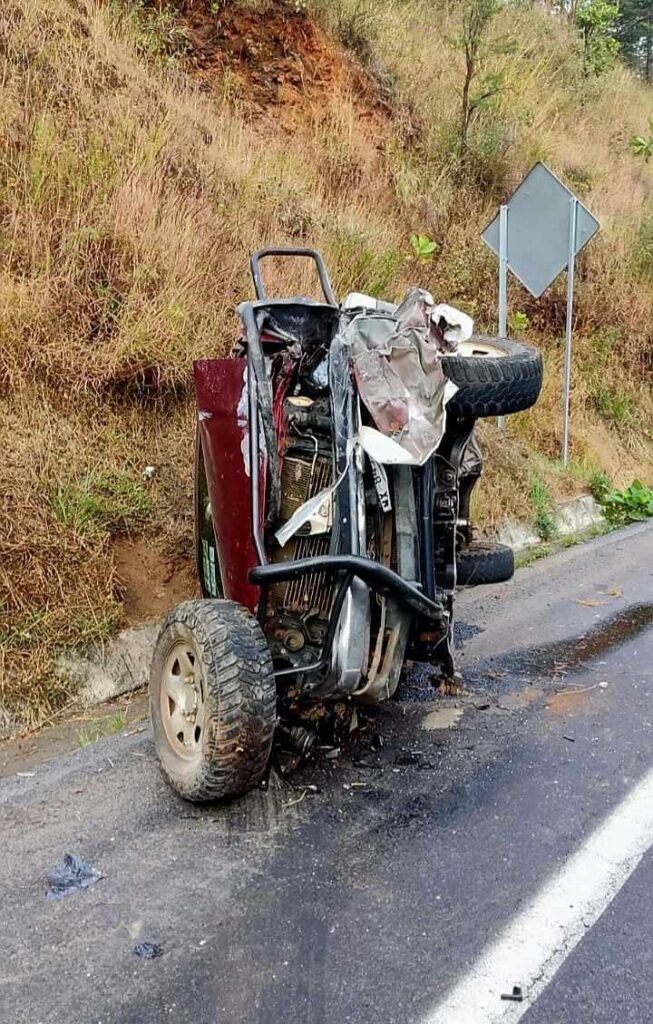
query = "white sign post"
{"x": 503, "y": 284}
{"x": 537, "y": 234}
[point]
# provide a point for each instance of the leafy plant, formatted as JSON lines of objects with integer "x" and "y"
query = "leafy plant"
{"x": 518, "y": 322}
{"x": 423, "y": 247}
{"x": 633, "y": 505}
{"x": 641, "y": 146}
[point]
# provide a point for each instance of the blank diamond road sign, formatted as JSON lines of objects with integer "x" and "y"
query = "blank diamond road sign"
{"x": 538, "y": 229}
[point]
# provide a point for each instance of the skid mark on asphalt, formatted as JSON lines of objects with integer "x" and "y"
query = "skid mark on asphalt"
{"x": 534, "y": 946}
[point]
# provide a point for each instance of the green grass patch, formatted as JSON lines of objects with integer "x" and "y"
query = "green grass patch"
{"x": 524, "y": 558}
{"x": 102, "y": 501}
{"x": 106, "y": 727}
{"x": 599, "y": 482}
{"x": 542, "y": 504}
{"x": 614, "y": 405}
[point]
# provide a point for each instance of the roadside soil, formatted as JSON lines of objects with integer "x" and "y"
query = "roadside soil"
{"x": 128, "y": 714}
{"x": 149, "y": 583}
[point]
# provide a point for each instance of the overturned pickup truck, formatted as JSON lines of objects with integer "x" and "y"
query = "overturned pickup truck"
{"x": 335, "y": 460}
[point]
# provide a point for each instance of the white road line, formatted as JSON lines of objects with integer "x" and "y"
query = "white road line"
{"x": 535, "y": 945}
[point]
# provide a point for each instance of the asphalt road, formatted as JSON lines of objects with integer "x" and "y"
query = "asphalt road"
{"x": 370, "y": 899}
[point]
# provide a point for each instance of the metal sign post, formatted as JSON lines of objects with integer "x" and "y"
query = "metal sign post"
{"x": 548, "y": 227}
{"x": 503, "y": 284}
{"x": 571, "y": 265}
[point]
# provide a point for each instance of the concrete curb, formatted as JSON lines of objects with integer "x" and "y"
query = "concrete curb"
{"x": 107, "y": 671}
{"x": 101, "y": 672}
{"x": 572, "y": 518}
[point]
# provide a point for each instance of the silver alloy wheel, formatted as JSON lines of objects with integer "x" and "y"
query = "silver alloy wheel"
{"x": 182, "y": 701}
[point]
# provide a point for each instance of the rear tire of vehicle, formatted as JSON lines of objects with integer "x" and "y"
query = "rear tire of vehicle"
{"x": 206, "y": 549}
{"x": 494, "y": 385}
{"x": 214, "y": 717}
{"x": 484, "y": 563}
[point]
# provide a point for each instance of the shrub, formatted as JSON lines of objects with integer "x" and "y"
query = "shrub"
{"x": 599, "y": 483}
{"x": 632, "y": 505}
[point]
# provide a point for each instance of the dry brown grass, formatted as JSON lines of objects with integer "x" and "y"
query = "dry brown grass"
{"x": 135, "y": 178}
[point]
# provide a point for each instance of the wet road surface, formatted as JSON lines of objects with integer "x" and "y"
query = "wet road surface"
{"x": 370, "y": 899}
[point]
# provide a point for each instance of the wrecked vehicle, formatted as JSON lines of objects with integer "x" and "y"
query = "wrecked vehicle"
{"x": 335, "y": 461}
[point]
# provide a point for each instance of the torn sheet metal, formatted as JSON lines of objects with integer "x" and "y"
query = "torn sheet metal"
{"x": 399, "y": 376}
{"x": 455, "y": 325}
{"x": 317, "y": 512}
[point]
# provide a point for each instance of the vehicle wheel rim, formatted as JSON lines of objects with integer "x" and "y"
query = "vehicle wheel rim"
{"x": 480, "y": 348}
{"x": 182, "y": 702}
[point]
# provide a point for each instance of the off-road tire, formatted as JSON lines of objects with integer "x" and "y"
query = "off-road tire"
{"x": 239, "y": 696}
{"x": 494, "y": 385}
{"x": 483, "y": 562}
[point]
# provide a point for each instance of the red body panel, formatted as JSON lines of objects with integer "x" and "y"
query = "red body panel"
{"x": 221, "y": 387}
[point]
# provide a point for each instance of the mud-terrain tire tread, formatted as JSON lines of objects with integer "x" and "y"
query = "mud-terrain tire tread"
{"x": 240, "y": 699}
{"x": 495, "y": 386}
{"x": 483, "y": 562}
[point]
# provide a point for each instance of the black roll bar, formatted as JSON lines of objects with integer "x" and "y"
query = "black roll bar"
{"x": 311, "y": 254}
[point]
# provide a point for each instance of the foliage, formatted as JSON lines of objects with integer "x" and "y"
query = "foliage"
{"x": 540, "y": 496}
{"x": 517, "y": 322}
{"x": 599, "y": 483}
{"x": 423, "y": 247}
{"x": 154, "y": 28}
{"x": 616, "y": 407}
{"x": 643, "y": 253}
{"x": 635, "y": 34}
{"x": 634, "y": 504}
{"x": 597, "y": 20}
{"x": 477, "y": 16}
{"x": 642, "y": 146}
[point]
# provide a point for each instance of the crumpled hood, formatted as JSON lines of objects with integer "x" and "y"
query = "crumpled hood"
{"x": 398, "y": 369}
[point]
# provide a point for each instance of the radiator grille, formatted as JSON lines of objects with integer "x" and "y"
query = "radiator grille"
{"x": 312, "y": 594}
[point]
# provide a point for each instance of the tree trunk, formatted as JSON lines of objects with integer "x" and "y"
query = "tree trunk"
{"x": 464, "y": 114}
